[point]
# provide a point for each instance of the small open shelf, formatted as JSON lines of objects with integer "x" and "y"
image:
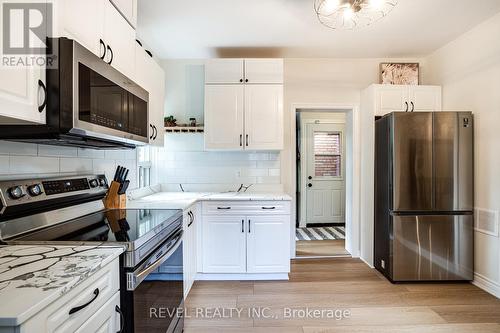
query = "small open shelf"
{"x": 184, "y": 129}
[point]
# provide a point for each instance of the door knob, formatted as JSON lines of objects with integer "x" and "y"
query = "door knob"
{"x": 309, "y": 185}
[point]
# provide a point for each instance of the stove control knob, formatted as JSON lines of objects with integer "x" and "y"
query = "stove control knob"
{"x": 102, "y": 182}
{"x": 94, "y": 183}
{"x": 16, "y": 192}
{"x": 35, "y": 190}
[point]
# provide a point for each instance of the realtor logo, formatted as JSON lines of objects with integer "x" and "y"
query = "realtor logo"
{"x": 26, "y": 27}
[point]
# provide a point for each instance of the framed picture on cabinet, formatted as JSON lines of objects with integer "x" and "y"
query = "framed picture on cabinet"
{"x": 400, "y": 73}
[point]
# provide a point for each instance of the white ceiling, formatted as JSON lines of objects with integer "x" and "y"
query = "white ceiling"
{"x": 289, "y": 28}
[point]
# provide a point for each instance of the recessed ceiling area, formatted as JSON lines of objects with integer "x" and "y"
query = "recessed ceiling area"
{"x": 290, "y": 29}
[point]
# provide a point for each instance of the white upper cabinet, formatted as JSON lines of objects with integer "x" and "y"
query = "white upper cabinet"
{"x": 119, "y": 37}
{"x": 128, "y": 8}
{"x": 390, "y": 98}
{"x": 264, "y": 117}
{"x": 22, "y": 92}
{"x": 82, "y": 21}
{"x": 425, "y": 98}
{"x": 224, "y": 116}
{"x": 224, "y": 71}
{"x": 248, "y": 71}
{"x": 244, "y": 104}
{"x": 264, "y": 71}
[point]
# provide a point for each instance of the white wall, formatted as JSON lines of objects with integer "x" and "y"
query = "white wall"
{"x": 469, "y": 70}
{"x": 25, "y": 160}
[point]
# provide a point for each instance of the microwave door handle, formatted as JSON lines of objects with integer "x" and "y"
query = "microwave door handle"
{"x": 139, "y": 275}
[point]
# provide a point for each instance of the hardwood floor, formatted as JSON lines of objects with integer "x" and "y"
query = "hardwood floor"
{"x": 322, "y": 248}
{"x": 367, "y": 302}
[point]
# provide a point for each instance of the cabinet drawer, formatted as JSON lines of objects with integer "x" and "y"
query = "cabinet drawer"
{"x": 106, "y": 319}
{"x": 246, "y": 207}
{"x": 56, "y": 317}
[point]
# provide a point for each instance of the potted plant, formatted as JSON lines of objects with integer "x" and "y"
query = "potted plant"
{"x": 170, "y": 121}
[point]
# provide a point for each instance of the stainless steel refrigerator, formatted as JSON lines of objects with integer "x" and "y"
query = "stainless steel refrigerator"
{"x": 424, "y": 196}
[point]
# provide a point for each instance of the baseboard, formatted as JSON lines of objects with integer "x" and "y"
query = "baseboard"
{"x": 366, "y": 262}
{"x": 486, "y": 284}
{"x": 241, "y": 277}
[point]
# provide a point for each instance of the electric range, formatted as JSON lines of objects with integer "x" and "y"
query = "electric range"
{"x": 70, "y": 211}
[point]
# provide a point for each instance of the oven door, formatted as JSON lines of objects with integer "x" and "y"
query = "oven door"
{"x": 106, "y": 104}
{"x": 154, "y": 299}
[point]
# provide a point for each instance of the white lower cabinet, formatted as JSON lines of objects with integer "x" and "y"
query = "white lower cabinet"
{"x": 191, "y": 221}
{"x": 246, "y": 237}
{"x": 268, "y": 244}
{"x": 90, "y": 307}
{"x": 224, "y": 244}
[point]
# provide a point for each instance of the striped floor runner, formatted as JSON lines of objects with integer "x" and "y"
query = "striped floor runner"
{"x": 320, "y": 233}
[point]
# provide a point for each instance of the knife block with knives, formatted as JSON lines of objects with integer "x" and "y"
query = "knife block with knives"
{"x": 116, "y": 197}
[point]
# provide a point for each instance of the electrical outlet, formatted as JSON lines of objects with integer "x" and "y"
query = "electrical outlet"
{"x": 382, "y": 263}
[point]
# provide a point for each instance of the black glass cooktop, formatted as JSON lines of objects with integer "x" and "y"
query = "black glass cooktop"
{"x": 133, "y": 227}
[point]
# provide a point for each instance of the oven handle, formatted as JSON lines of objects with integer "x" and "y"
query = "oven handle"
{"x": 139, "y": 275}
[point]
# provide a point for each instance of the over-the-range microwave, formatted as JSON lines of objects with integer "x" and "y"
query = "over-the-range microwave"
{"x": 88, "y": 103}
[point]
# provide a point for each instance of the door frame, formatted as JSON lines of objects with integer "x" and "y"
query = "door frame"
{"x": 304, "y": 162}
{"x": 353, "y": 172}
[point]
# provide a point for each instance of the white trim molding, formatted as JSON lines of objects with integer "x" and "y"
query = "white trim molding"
{"x": 486, "y": 284}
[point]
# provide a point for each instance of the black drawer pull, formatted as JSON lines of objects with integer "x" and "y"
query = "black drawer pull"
{"x": 268, "y": 208}
{"x": 122, "y": 319}
{"x": 44, "y": 103}
{"x": 78, "y": 308}
{"x": 223, "y": 208}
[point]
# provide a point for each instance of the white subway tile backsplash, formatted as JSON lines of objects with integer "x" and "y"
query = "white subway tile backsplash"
{"x": 268, "y": 164}
{"x": 114, "y": 155}
{"x": 18, "y": 148}
{"x": 76, "y": 165}
{"x": 33, "y": 165}
{"x": 57, "y": 151}
{"x": 274, "y": 172}
{"x": 90, "y": 153}
{"x": 254, "y": 172}
{"x": 268, "y": 180}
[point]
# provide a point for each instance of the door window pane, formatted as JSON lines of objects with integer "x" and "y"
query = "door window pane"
{"x": 327, "y": 154}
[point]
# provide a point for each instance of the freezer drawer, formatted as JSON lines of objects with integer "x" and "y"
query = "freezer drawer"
{"x": 432, "y": 248}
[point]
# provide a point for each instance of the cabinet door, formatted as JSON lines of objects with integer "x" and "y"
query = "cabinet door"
{"x": 224, "y": 71}
{"x": 120, "y": 37}
{"x": 390, "y": 98}
{"x": 20, "y": 91}
{"x": 128, "y": 8}
{"x": 106, "y": 319}
{"x": 186, "y": 251}
{"x": 224, "y": 244}
{"x": 82, "y": 21}
{"x": 268, "y": 244}
{"x": 264, "y": 71}
{"x": 264, "y": 117}
{"x": 425, "y": 98}
{"x": 224, "y": 117}
{"x": 156, "y": 103}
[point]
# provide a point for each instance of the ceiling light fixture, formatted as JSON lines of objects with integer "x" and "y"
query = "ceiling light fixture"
{"x": 350, "y": 14}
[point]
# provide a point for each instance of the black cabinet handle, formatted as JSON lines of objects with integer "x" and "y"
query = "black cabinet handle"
{"x": 246, "y": 80}
{"x": 223, "y": 208}
{"x": 151, "y": 136}
{"x": 407, "y": 106}
{"x": 122, "y": 319}
{"x": 412, "y": 107}
{"x": 78, "y": 308}
{"x": 191, "y": 219}
{"x": 249, "y": 228}
{"x": 155, "y": 132}
{"x": 241, "y": 140}
{"x": 44, "y": 103}
{"x": 268, "y": 208}
{"x": 242, "y": 226}
{"x": 247, "y": 140}
{"x": 101, "y": 43}
{"x": 112, "y": 55}
{"x": 310, "y": 177}
{"x": 309, "y": 185}
{"x": 241, "y": 80}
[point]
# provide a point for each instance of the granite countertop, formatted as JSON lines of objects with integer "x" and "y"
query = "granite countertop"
{"x": 32, "y": 277}
{"x": 183, "y": 200}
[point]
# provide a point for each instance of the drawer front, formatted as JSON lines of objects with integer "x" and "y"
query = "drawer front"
{"x": 57, "y": 318}
{"x": 246, "y": 207}
{"x": 106, "y": 320}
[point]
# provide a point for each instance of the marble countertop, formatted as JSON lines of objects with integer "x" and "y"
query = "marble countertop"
{"x": 34, "y": 276}
{"x": 183, "y": 200}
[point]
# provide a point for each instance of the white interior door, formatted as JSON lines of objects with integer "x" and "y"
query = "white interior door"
{"x": 325, "y": 173}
